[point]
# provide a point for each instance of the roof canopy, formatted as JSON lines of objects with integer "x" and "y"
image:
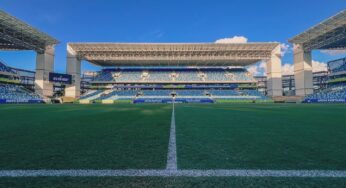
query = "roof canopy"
{"x": 17, "y": 35}
{"x": 172, "y": 54}
{"x": 329, "y": 34}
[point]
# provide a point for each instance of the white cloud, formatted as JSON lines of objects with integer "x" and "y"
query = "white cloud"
{"x": 235, "y": 39}
{"x": 285, "y": 48}
{"x": 263, "y": 65}
{"x": 288, "y": 69}
{"x": 253, "y": 70}
{"x": 334, "y": 52}
{"x": 258, "y": 69}
{"x": 319, "y": 66}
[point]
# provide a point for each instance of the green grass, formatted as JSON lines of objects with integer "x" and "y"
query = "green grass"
{"x": 173, "y": 182}
{"x": 213, "y": 136}
{"x": 261, "y": 136}
{"x": 84, "y": 136}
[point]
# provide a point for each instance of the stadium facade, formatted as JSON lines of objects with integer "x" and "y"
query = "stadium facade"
{"x": 17, "y": 35}
{"x": 178, "y": 55}
{"x": 327, "y": 35}
{"x": 336, "y": 85}
{"x": 320, "y": 81}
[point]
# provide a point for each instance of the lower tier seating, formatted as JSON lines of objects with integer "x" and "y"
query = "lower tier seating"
{"x": 334, "y": 93}
{"x": 177, "y": 93}
{"x": 16, "y": 93}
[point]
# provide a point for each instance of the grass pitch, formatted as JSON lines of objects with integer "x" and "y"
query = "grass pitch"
{"x": 213, "y": 136}
{"x": 261, "y": 136}
{"x": 84, "y": 137}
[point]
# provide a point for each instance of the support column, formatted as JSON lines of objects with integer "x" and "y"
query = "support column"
{"x": 302, "y": 71}
{"x": 44, "y": 65}
{"x": 73, "y": 67}
{"x": 274, "y": 81}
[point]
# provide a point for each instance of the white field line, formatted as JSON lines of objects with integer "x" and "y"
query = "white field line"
{"x": 173, "y": 173}
{"x": 172, "y": 147}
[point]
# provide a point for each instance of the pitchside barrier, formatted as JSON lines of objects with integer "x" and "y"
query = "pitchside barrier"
{"x": 136, "y": 101}
{"x": 8, "y": 101}
{"x": 84, "y": 101}
{"x": 324, "y": 101}
{"x": 107, "y": 102}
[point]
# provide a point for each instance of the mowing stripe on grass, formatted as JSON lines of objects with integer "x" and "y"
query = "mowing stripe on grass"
{"x": 173, "y": 173}
{"x": 172, "y": 146}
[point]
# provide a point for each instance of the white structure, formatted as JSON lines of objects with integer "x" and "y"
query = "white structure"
{"x": 328, "y": 35}
{"x": 17, "y": 35}
{"x": 174, "y": 54}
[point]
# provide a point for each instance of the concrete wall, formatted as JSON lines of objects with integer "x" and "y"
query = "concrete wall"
{"x": 274, "y": 74}
{"x": 73, "y": 67}
{"x": 302, "y": 71}
{"x": 44, "y": 65}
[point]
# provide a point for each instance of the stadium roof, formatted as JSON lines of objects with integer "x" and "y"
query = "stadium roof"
{"x": 172, "y": 54}
{"x": 17, "y": 35}
{"x": 329, "y": 34}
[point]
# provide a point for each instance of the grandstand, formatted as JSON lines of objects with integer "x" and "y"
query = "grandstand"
{"x": 165, "y": 84}
{"x": 11, "y": 88}
{"x": 10, "y": 93}
{"x": 336, "y": 90}
{"x": 18, "y": 35}
{"x": 5, "y": 69}
{"x": 328, "y": 35}
{"x": 184, "y": 72}
{"x": 172, "y": 65}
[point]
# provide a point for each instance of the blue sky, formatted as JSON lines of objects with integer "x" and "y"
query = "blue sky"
{"x": 166, "y": 21}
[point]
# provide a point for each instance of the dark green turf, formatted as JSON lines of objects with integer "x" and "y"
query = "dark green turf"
{"x": 84, "y": 136}
{"x": 261, "y": 136}
{"x": 152, "y": 182}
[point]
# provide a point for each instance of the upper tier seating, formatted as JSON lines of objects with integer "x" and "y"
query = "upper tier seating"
{"x": 125, "y": 76}
{"x": 104, "y": 76}
{"x": 4, "y": 68}
{"x": 340, "y": 68}
{"x": 194, "y": 75}
{"x": 241, "y": 75}
{"x": 187, "y": 76}
{"x": 160, "y": 76}
{"x": 216, "y": 76}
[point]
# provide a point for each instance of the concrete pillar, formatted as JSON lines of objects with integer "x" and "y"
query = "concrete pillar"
{"x": 274, "y": 81}
{"x": 302, "y": 71}
{"x": 44, "y": 65}
{"x": 73, "y": 67}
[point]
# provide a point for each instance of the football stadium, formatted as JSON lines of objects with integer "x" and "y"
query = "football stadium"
{"x": 165, "y": 114}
